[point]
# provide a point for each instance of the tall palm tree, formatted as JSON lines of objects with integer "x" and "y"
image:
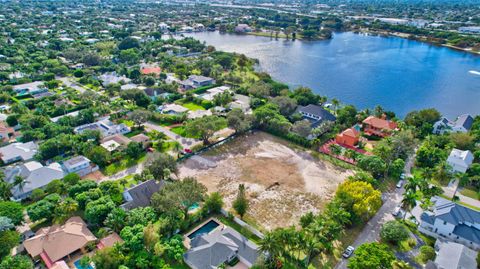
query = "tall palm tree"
{"x": 270, "y": 245}
{"x": 19, "y": 182}
{"x": 335, "y": 104}
{"x": 413, "y": 184}
{"x": 5, "y": 190}
{"x": 409, "y": 201}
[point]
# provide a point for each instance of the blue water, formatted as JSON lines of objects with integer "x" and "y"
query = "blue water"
{"x": 399, "y": 74}
{"x": 205, "y": 229}
{"x": 78, "y": 266}
{"x": 193, "y": 207}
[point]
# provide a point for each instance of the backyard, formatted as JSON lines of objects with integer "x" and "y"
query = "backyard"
{"x": 283, "y": 182}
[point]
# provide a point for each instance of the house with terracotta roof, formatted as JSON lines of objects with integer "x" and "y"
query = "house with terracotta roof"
{"x": 55, "y": 243}
{"x": 151, "y": 70}
{"x": 349, "y": 137}
{"x": 379, "y": 126}
{"x": 109, "y": 241}
{"x": 6, "y": 133}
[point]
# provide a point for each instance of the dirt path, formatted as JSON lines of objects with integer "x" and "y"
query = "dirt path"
{"x": 283, "y": 183}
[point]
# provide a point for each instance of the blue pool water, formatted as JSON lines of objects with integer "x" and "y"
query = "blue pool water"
{"x": 193, "y": 207}
{"x": 78, "y": 266}
{"x": 205, "y": 229}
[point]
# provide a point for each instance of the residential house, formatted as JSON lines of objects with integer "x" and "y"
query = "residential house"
{"x": 129, "y": 86}
{"x": 141, "y": 138}
{"x": 6, "y": 133}
{"x": 112, "y": 78}
{"x": 155, "y": 93}
{"x": 171, "y": 78}
{"x": 219, "y": 247}
{"x": 210, "y": 94}
{"x": 241, "y": 102}
{"x": 79, "y": 165}
{"x": 460, "y": 160}
{"x": 195, "y": 81}
{"x": 461, "y": 124}
{"x": 55, "y": 243}
{"x": 18, "y": 152}
{"x": 378, "y": 126}
{"x": 153, "y": 70}
{"x": 349, "y": 137}
{"x": 105, "y": 127}
{"x": 113, "y": 142}
{"x": 172, "y": 109}
{"x": 242, "y": 28}
{"x": 109, "y": 241}
{"x": 451, "y": 221}
{"x": 315, "y": 114}
{"x": 30, "y": 88}
{"x": 35, "y": 175}
{"x": 199, "y": 114}
{"x": 140, "y": 194}
{"x": 451, "y": 255}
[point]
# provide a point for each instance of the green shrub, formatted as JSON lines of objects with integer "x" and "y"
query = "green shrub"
{"x": 426, "y": 253}
{"x": 393, "y": 232}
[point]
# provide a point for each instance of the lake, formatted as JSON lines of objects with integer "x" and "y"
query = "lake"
{"x": 399, "y": 74}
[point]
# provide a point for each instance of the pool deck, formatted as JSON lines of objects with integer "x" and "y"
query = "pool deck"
{"x": 186, "y": 239}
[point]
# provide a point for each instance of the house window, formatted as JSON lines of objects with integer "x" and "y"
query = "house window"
{"x": 444, "y": 223}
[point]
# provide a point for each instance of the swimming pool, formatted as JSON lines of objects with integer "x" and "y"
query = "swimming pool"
{"x": 78, "y": 266}
{"x": 205, "y": 229}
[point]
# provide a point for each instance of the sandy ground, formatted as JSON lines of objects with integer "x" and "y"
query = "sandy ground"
{"x": 282, "y": 183}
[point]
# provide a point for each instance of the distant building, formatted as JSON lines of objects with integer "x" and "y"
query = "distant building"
{"x": 18, "y": 152}
{"x": 241, "y": 102}
{"x": 154, "y": 70}
{"x": 139, "y": 195}
{"x": 470, "y": 29}
{"x": 105, "y": 127}
{"x": 460, "y": 160}
{"x": 210, "y": 94}
{"x": 6, "y": 133}
{"x": 111, "y": 78}
{"x": 394, "y": 21}
{"x": 195, "y": 81}
{"x": 315, "y": 114}
{"x": 36, "y": 176}
{"x": 172, "y": 109}
{"x": 243, "y": 28}
{"x": 32, "y": 88}
{"x": 462, "y": 124}
{"x": 451, "y": 255}
{"x": 79, "y": 165}
{"x": 451, "y": 221}
{"x": 378, "y": 126}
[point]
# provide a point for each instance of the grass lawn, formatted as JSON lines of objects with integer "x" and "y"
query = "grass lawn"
{"x": 168, "y": 145}
{"x": 122, "y": 165}
{"x": 180, "y": 130}
{"x": 239, "y": 229}
{"x": 470, "y": 193}
{"x": 193, "y": 106}
{"x": 133, "y": 133}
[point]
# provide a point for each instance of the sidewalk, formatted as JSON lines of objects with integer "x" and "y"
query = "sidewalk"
{"x": 450, "y": 190}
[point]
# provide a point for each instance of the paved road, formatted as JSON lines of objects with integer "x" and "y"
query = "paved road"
{"x": 185, "y": 142}
{"x": 72, "y": 84}
{"x": 371, "y": 231}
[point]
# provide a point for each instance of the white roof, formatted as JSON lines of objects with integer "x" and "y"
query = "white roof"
{"x": 110, "y": 145}
{"x": 460, "y": 154}
{"x": 25, "y": 151}
{"x": 175, "y": 108}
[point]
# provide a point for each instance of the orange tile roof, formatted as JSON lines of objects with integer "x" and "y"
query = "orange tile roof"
{"x": 380, "y": 123}
{"x": 151, "y": 70}
{"x": 352, "y": 132}
{"x": 59, "y": 241}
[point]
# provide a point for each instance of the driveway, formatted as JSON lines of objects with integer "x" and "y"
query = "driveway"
{"x": 450, "y": 191}
{"x": 72, "y": 84}
{"x": 185, "y": 142}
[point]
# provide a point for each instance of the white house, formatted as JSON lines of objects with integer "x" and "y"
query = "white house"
{"x": 18, "y": 152}
{"x": 172, "y": 109}
{"x": 451, "y": 221}
{"x": 451, "y": 255}
{"x": 460, "y": 160}
{"x": 35, "y": 175}
{"x": 104, "y": 126}
{"x": 210, "y": 94}
{"x": 79, "y": 165}
{"x": 462, "y": 124}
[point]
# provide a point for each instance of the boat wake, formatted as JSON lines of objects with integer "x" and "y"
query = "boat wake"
{"x": 474, "y": 72}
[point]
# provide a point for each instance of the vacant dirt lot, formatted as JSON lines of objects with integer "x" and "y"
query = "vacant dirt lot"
{"x": 283, "y": 183}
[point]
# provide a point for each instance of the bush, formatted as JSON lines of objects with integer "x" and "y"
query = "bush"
{"x": 393, "y": 232}
{"x": 426, "y": 253}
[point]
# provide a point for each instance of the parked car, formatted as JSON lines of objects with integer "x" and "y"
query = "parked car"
{"x": 400, "y": 183}
{"x": 150, "y": 149}
{"x": 402, "y": 176}
{"x": 397, "y": 212}
{"x": 188, "y": 151}
{"x": 348, "y": 252}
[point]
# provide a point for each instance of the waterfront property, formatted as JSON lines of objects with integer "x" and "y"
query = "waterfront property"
{"x": 460, "y": 160}
{"x": 380, "y": 127}
{"x": 195, "y": 81}
{"x": 56, "y": 242}
{"x": 315, "y": 114}
{"x": 461, "y": 124}
{"x": 221, "y": 246}
{"x": 349, "y": 137}
{"x": 450, "y": 221}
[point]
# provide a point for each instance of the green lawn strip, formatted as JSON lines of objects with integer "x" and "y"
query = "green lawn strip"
{"x": 192, "y": 106}
{"x": 122, "y": 165}
{"x": 245, "y": 232}
{"x": 133, "y": 133}
{"x": 470, "y": 193}
{"x": 180, "y": 130}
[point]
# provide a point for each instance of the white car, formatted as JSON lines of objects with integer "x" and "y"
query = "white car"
{"x": 400, "y": 183}
{"x": 397, "y": 212}
{"x": 348, "y": 252}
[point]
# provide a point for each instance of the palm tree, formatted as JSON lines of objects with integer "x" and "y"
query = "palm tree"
{"x": 177, "y": 147}
{"x": 19, "y": 182}
{"x": 5, "y": 190}
{"x": 270, "y": 245}
{"x": 413, "y": 184}
{"x": 335, "y": 104}
{"x": 409, "y": 201}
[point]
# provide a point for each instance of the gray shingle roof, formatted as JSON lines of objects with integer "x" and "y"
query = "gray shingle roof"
{"x": 464, "y": 120}
{"x": 317, "y": 111}
{"x": 141, "y": 194}
{"x": 211, "y": 250}
{"x": 455, "y": 256}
